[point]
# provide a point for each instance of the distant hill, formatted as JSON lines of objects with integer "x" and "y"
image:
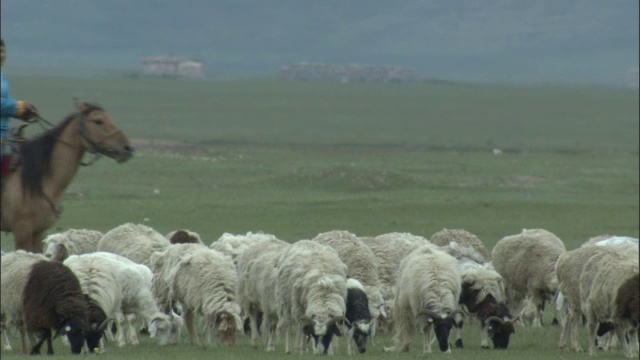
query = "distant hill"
{"x": 583, "y": 41}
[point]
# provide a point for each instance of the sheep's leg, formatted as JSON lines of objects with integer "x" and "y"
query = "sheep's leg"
{"x": 23, "y": 338}
{"x": 253, "y": 324}
{"x": 626, "y": 349}
{"x": 120, "y": 329}
{"x": 133, "y": 333}
{"x": 298, "y": 340}
{"x": 459, "y": 322}
{"x": 592, "y": 327}
{"x": 634, "y": 347}
{"x": 484, "y": 336}
{"x": 47, "y": 334}
{"x": 193, "y": 335}
{"x": 7, "y": 343}
{"x": 426, "y": 334}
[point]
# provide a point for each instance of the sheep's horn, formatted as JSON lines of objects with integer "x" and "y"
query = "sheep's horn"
{"x": 337, "y": 319}
{"x": 103, "y": 325}
{"x": 305, "y": 319}
{"x": 426, "y": 312}
{"x": 494, "y": 318}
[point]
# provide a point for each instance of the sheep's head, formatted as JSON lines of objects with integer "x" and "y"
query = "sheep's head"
{"x": 442, "y": 324}
{"x": 500, "y": 330}
{"x": 166, "y": 328}
{"x": 56, "y": 247}
{"x": 75, "y": 329}
{"x": 322, "y": 329}
{"x": 226, "y": 326}
{"x": 360, "y": 332}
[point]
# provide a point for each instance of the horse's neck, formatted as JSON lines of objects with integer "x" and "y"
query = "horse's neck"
{"x": 65, "y": 159}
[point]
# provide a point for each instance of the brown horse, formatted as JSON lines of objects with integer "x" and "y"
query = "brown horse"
{"x": 47, "y": 164}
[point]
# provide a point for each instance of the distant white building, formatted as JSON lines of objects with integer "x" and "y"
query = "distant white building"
{"x": 172, "y": 66}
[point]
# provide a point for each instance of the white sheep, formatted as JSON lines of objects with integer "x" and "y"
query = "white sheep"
{"x": 427, "y": 293}
{"x": 389, "y": 250}
{"x": 257, "y": 277}
{"x": 311, "y": 291}
{"x": 71, "y": 242}
{"x": 14, "y": 272}
{"x": 483, "y": 296}
{"x": 234, "y": 245}
{"x": 527, "y": 261}
{"x": 184, "y": 236}
{"x": 132, "y": 291}
{"x": 446, "y": 236}
{"x": 569, "y": 268}
{"x": 609, "y": 292}
{"x": 202, "y": 281}
{"x": 134, "y": 241}
{"x": 361, "y": 264}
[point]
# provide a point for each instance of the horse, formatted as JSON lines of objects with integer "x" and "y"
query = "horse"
{"x": 46, "y": 165}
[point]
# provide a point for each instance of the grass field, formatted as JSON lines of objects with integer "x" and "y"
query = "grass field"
{"x": 295, "y": 160}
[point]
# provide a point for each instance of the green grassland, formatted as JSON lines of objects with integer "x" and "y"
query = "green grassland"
{"x": 297, "y": 159}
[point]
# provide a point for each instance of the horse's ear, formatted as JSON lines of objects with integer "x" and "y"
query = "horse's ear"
{"x": 80, "y": 105}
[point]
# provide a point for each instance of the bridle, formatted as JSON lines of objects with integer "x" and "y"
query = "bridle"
{"x": 95, "y": 145}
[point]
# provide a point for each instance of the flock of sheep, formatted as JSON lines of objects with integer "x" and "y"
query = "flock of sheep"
{"x": 88, "y": 286}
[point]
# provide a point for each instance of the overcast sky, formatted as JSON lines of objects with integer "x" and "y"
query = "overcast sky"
{"x": 558, "y": 41}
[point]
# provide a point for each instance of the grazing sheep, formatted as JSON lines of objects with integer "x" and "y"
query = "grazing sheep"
{"x": 311, "y": 291}
{"x": 134, "y": 281}
{"x": 527, "y": 261}
{"x": 234, "y": 245}
{"x": 360, "y": 321}
{"x": 52, "y": 299}
{"x": 14, "y": 271}
{"x": 257, "y": 277}
{"x": 134, "y": 241}
{"x": 610, "y": 292}
{"x": 446, "y": 236}
{"x": 202, "y": 281}
{"x": 361, "y": 265}
{"x": 427, "y": 293}
{"x": 184, "y": 236}
{"x": 71, "y": 242}
{"x": 389, "y": 250}
{"x": 483, "y": 296}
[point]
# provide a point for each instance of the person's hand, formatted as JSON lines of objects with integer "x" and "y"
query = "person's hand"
{"x": 30, "y": 112}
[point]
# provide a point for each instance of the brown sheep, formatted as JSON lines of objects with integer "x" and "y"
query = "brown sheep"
{"x": 52, "y": 299}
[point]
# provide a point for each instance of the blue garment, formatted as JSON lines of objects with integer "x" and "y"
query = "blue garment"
{"x": 10, "y": 108}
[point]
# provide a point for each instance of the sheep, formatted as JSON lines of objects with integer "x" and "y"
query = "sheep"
{"x": 52, "y": 299}
{"x": 184, "y": 236}
{"x": 257, "y": 276}
{"x": 427, "y": 293}
{"x": 389, "y": 250}
{"x": 613, "y": 241}
{"x": 311, "y": 291}
{"x": 71, "y": 242}
{"x": 463, "y": 237}
{"x": 134, "y": 241}
{"x": 202, "y": 281}
{"x": 610, "y": 292}
{"x": 361, "y": 264}
{"x": 482, "y": 295}
{"x": 14, "y": 271}
{"x": 234, "y": 245}
{"x": 526, "y": 261}
{"x": 360, "y": 321}
{"x": 569, "y": 268}
{"x": 134, "y": 281}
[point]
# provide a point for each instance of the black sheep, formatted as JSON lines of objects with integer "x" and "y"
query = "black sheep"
{"x": 53, "y": 300}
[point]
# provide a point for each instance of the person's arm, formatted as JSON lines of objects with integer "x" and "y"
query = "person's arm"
{"x": 13, "y": 108}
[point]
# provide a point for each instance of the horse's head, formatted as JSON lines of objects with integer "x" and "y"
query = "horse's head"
{"x": 101, "y": 134}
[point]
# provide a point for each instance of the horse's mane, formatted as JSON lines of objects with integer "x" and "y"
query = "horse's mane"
{"x": 35, "y": 153}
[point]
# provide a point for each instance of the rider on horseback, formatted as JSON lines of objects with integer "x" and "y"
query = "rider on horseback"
{"x": 11, "y": 108}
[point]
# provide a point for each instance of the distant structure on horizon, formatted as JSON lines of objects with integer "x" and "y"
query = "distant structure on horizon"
{"x": 172, "y": 66}
{"x": 346, "y": 73}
